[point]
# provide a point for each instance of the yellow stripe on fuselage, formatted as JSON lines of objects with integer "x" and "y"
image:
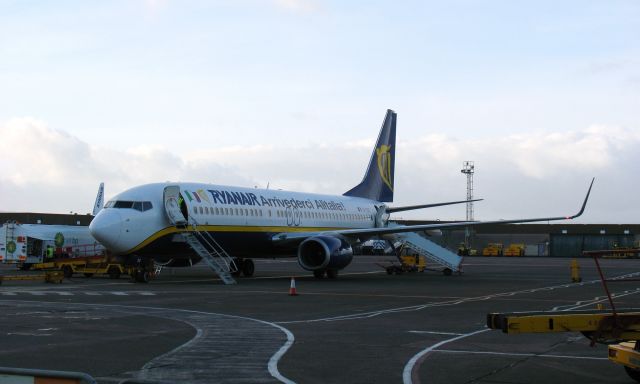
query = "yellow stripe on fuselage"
{"x": 225, "y": 228}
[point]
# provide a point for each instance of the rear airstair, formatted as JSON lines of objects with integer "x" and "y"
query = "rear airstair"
{"x": 200, "y": 241}
{"x": 430, "y": 250}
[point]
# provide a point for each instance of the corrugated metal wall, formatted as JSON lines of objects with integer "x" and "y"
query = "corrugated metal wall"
{"x": 564, "y": 245}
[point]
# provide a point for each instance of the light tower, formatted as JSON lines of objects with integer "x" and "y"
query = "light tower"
{"x": 468, "y": 169}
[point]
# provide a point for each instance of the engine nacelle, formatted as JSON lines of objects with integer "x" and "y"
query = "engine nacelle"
{"x": 324, "y": 252}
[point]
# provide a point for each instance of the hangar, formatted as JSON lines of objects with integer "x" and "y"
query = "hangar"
{"x": 554, "y": 240}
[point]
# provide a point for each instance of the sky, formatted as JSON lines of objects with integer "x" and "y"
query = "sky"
{"x": 542, "y": 96}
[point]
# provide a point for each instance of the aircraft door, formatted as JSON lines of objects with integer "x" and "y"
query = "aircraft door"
{"x": 174, "y": 204}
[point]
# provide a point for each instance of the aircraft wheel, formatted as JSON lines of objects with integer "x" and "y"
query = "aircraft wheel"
{"x": 332, "y": 273}
{"x": 319, "y": 274}
{"x": 67, "y": 271}
{"x": 389, "y": 271}
{"x": 88, "y": 274}
{"x": 447, "y": 272}
{"x": 114, "y": 273}
{"x": 248, "y": 267}
{"x": 142, "y": 276}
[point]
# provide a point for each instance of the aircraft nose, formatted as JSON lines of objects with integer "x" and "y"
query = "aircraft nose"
{"x": 106, "y": 227}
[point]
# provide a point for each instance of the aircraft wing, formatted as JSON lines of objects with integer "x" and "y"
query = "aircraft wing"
{"x": 369, "y": 232}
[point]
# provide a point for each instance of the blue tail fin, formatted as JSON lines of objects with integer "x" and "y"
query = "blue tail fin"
{"x": 378, "y": 180}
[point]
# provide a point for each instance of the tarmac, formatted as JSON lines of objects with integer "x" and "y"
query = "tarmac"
{"x": 364, "y": 327}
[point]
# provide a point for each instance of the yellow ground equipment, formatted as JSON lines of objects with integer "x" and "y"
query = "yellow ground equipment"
{"x": 409, "y": 260}
{"x": 620, "y": 329}
{"x": 627, "y": 355}
{"x": 85, "y": 265}
{"x": 492, "y": 249}
{"x": 515, "y": 249}
{"x": 620, "y": 252}
{"x": 408, "y": 263}
{"x": 49, "y": 277}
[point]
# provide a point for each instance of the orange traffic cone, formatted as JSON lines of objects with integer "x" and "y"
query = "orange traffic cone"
{"x": 292, "y": 288}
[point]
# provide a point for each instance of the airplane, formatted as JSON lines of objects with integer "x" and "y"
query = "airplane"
{"x": 150, "y": 224}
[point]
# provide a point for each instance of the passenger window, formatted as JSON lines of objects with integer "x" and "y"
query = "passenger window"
{"x": 195, "y": 209}
{"x": 206, "y": 210}
{"x": 201, "y": 210}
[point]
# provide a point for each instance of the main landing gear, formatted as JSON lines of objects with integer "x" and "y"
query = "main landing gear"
{"x": 245, "y": 267}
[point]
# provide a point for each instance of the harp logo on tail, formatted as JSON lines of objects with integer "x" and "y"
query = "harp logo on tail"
{"x": 384, "y": 164}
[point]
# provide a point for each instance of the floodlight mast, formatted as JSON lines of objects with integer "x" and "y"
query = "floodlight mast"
{"x": 468, "y": 169}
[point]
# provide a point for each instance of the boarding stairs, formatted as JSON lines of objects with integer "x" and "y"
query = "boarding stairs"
{"x": 212, "y": 253}
{"x": 430, "y": 250}
{"x": 199, "y": 240}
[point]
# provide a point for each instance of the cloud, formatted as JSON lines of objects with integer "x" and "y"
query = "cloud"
{"x": 43, "y": 169}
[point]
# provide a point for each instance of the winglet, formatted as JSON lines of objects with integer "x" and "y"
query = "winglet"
{"x": 584, "y": 204}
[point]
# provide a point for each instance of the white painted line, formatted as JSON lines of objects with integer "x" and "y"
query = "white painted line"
{"x": 37, "y": 293}
{"x": 438, "y": 333}
{"x": 408, "y": 369}
{"x": 146, "y": 294}
{"x": 8, "y": 293}
{"x": 522, "y": 354}
{"x": 61, "y": 293}
{"x": 119, "y": 293}
{"x": 273, "y": 362}
{"x": 91, "y": 293}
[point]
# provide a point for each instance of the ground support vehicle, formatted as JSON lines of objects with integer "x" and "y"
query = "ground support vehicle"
{"x": 88, "y": 266}
{"x": 28, "y": 244}
{"x": 408, "y": 261}
{"x": 492, "y": 249}
{"x": 516, "y": 249}
{"x": 619, "y": 329}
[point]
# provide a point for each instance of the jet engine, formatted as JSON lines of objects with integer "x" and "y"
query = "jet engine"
{"x": 324, "y": 252}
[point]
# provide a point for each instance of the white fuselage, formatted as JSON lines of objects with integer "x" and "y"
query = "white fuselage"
{"x": 243, "y": 219}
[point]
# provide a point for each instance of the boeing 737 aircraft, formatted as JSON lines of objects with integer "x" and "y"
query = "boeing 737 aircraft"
{"x": 179, "y": 224}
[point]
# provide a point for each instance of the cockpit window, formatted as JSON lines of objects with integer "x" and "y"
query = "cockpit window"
{"x": 123, "y": 204}
{"x": 137, "y": 205}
